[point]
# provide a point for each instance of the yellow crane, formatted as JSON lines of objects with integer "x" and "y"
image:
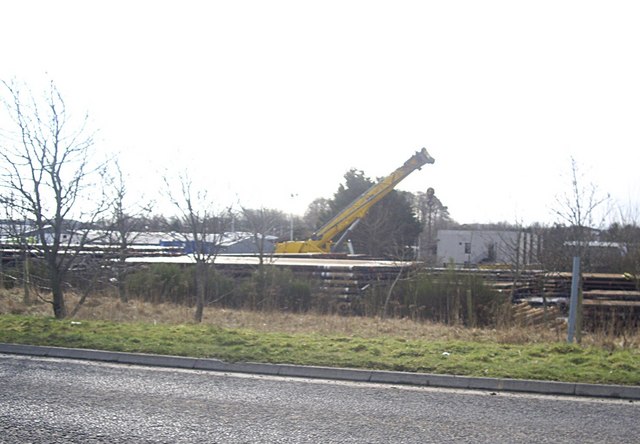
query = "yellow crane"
{"x": 346, "y": 220}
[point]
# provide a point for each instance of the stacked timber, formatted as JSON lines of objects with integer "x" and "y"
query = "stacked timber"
{"x": 526, "y": 314}
{"x": 607, "y": 298}
{"x": 611, "y": 299}
{"x": 611, "y": 287}
{"x": 351, "y": 280}
{"x": 518, "y": 284}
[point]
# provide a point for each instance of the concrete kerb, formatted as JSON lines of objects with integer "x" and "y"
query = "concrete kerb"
{"x": 20, "y": 349}
{"x": 342, "y": 374}
{"x": 523, "y": 385}
{"x": 331, "y": 373}
{"x": 608, "y": 391}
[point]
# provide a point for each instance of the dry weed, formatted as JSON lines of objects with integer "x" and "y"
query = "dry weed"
{"x": 109, "y": 307}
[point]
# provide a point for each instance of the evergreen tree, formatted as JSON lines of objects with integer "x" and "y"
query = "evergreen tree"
{"x": 389, "y": 228}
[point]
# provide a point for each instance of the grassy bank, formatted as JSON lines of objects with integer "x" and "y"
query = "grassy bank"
{"x": 395, "y": 344}
{"x": 544, "y": 361}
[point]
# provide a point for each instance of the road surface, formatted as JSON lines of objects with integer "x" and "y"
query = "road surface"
{"x": 44, "y": 400}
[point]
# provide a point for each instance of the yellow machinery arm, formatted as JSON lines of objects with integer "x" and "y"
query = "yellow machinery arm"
{"x": 347, "y": 219}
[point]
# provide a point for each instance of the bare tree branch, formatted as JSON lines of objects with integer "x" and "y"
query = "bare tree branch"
{"x": 205, "y": 230}
{"x": 45, "y": 169}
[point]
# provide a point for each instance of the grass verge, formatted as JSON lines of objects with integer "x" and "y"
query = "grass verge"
{"x": 555, "y": 361}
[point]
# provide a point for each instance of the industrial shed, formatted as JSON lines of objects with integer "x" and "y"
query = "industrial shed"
{"x": 227, "y": 243}
{"x": 476, "y": 247}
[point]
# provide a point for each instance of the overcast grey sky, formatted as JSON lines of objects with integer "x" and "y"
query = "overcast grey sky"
{"x": 261, "y": 100}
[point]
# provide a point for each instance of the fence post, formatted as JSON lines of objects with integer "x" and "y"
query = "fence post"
{"x": 573, "y": 301}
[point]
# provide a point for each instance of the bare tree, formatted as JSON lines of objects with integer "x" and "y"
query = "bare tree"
{"x": 403, "y": 259}
{"x": 434, "y": 216}
{"x": 46, "y": 163}
{"x": 261, "y": 222}
{"x": 579, "y": 208}
{"x": 126, "y": 223}
{"x": 205, "y": 231}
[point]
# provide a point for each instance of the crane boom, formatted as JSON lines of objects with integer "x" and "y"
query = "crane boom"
{"x": 322, "y": 240}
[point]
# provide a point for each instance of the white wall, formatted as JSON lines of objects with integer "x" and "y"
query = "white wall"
{"x": 473, "y": 247}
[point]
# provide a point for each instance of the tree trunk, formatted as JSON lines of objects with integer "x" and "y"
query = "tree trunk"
{"x": 122, "y": 290}
{"x": 59, "y": 308}
{"x": 201, "y": 278}
{"x": 390, "y": 293}
{"x": 121, "y": 276}
{"x": 26, "y": 284}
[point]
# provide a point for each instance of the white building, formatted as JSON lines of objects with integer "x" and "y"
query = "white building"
{"x": 476, "y": 247}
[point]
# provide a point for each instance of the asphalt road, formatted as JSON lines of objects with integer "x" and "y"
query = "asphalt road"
{"x": 46, "y": 400}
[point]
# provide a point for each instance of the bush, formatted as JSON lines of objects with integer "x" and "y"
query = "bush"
{"x": 272, "y": 288}
{"x": 268, "y": 289}
{"x": 161, "y": 283}
{"x": 450, "y": 298}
